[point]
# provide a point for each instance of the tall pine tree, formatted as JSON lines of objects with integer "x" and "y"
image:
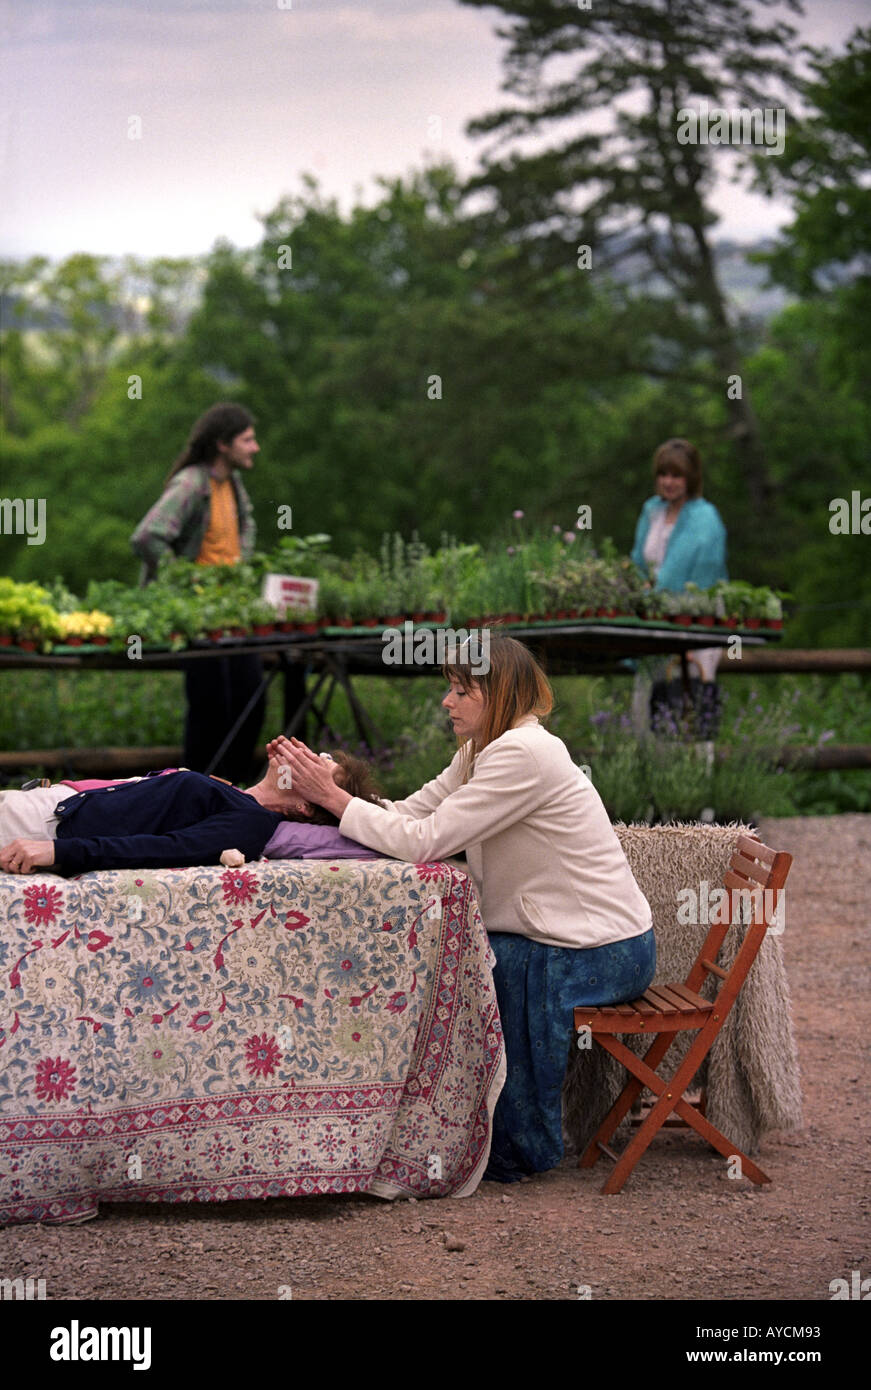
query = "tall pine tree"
{"x": 623, "y": 182}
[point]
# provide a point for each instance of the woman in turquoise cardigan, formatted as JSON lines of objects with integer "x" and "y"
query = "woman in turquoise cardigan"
{"x": 680, "y": 539}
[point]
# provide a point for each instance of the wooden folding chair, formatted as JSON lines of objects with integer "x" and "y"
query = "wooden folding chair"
{"x": 754, "y": 881}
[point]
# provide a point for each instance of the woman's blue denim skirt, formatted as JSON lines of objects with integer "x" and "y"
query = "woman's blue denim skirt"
{"x": 537, "y": 987}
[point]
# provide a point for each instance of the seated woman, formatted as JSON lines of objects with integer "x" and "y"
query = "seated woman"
{"x": 567, "y": 922}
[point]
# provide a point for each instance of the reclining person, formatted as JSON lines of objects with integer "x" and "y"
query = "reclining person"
{"x": 173, "y": 819}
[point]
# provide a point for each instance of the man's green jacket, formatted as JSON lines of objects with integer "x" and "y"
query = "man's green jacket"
{"x": 177, "y": 522}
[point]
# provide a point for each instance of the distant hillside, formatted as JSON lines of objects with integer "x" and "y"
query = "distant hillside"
{"x": 743, "y": 283}
{"x": 746, "y": 285}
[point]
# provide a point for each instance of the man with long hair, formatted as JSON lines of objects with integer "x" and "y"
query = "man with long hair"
{"x": 205, "y": 514}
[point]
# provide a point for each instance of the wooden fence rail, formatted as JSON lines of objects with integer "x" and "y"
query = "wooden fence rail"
{"x": 774, "y": 661}
{"x": 124, "y": 762}
{"x": 121, "y": 761}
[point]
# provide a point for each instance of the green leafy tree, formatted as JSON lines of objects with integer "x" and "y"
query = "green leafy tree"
{"x": 397, "y": 380}
{"x": 811, "y": 392}
{"x": 62, "y": 334}
{"x": 824, "y": 169}
{"x": 76, "y": 433}
{"x": 813, "y": 374}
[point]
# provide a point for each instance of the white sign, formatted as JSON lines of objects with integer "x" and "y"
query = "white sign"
{"x": 290, "y": 593}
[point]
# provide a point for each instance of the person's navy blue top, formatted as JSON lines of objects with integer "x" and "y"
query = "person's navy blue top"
{"x": 168, "y": 822}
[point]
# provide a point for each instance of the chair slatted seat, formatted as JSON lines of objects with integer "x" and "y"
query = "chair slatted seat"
{"x": 754, "y": 880}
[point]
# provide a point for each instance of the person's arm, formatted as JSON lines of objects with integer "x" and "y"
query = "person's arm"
{"x": 202, "y": 843}
{"x": 313, "y": 778}
{"x": 716, "y": 551}
{"x": 697, "y": 553}
{"x": 162, "y": 525}
{"x": 641, "y": 529}
{"x": 507, "y": 786}
{"x": 245, "y": 517}
{"x": 431, "y": 795}
{"x": 22, "y": 856}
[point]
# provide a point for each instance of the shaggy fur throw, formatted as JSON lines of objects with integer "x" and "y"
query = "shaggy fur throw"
{"x": 751, "y": 1075}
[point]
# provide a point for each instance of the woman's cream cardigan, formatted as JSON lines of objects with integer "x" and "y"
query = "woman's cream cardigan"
{"x": 541, "y": 850}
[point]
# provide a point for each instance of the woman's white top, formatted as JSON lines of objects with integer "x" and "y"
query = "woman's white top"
{"x": 541, "y": 850}
{"x": 657, "y": 539}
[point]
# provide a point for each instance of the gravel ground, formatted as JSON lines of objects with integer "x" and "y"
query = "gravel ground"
{"x": 555, "y": 1236}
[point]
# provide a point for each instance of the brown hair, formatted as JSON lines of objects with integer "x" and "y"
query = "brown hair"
{"x": 680, "y": 456}
{"x": 219, "y": 425}
{"x": 514, "y": 685}
{"x": 356, "y": 778}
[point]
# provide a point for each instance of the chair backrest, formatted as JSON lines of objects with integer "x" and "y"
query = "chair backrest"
{"x": 753, "y": 882}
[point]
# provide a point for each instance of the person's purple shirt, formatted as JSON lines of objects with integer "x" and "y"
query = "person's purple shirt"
{"x": 301, "y": 840}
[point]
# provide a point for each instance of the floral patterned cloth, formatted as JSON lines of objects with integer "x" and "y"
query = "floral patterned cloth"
{"x": 206, "y": 1034}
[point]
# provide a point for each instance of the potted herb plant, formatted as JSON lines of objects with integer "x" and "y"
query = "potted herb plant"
{"x": 756, "y": 607}
{"x": 331, "y": 598}
{"x": 650, "y": 604}
{"x": 699, "y": 604}
{"x": 773, "y": 615}
{"x": 261, "y": 616}
{"x": 8, "y": 620}
{"x": 672, "y": 607}
{"x": 309, "y": 621}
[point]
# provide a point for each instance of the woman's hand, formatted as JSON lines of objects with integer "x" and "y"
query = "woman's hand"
{"x": 276, "y": 747}
{"x": 312, "y": 777}
{"x": 23, "y": 856}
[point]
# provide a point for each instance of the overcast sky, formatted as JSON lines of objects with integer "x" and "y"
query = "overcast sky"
{"x": 236, "y": 99}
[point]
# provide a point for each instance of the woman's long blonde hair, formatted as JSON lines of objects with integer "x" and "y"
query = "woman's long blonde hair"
{"x": 514, "y": 685}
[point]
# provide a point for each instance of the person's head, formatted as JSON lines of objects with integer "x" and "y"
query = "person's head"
{"x": 225, "y": 431}
{"x": 352, "y": 774}
{"x": 484, "y": 704}
{"x": 677, "y": 470}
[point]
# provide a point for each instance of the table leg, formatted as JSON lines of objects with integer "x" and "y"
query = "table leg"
{"x": 685, "y": 680}
{"x": 295, "y": 673}
{"x": 366, "y": 729}
{"x": 303, "y": 709}
{"x": 261, "y": 689}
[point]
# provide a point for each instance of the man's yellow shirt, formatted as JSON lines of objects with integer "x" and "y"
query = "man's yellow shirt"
{"x": 221, "y": 541}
